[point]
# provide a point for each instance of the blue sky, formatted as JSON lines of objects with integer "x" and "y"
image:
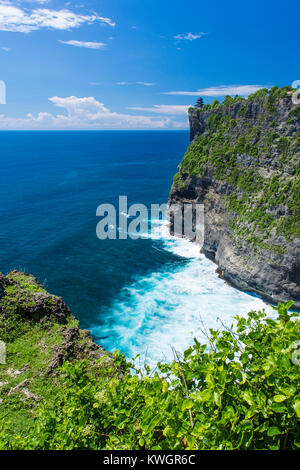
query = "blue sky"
{"x": 137, "y": 64}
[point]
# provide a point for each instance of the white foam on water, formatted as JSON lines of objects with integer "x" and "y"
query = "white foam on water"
{"x": 165, "y": 309}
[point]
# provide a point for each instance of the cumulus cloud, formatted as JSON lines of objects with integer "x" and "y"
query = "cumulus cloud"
{"x": 74, "y": 105}
{"x": 13, "y": 18}
{"x": 222, "y": 90}
{"x": 88, "y": 113}
{"x": 189, "y": 36}
{"x": 164, "y": 109}
{"x": 85, "y": 44}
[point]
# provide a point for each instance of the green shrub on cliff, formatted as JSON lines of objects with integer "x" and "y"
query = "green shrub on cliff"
{"x": 215, "y": 103}
{"x": 240, "y": 391}
{"x": 177, "y": 181}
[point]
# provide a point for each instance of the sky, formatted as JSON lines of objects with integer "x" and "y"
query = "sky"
{"x": 137, "y": 64}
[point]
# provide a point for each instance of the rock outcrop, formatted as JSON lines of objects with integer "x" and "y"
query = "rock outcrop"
{"x": 24, "y": 302}
{"x": 42, "y": 344}
{"x": 243, "y": 164}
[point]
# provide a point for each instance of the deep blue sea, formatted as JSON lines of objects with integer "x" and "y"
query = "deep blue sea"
{"x": 140, "y": 296}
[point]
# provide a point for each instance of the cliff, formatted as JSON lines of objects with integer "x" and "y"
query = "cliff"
{"x": 243, "y": 165}
{"x": 41, "y": 335}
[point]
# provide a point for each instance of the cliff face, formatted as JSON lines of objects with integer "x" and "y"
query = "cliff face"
{"x": 25, "y": 305}
{"x": 40, "y": 334}
{"x": 243, "y": 164}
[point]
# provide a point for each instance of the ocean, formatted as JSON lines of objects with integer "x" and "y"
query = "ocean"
{"x": 142, "y": 296}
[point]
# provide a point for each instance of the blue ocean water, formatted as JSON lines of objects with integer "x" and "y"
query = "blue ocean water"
{"x": 140, "y": 296}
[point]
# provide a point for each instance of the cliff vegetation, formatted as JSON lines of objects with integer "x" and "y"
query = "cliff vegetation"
{"x": 59, "y": 390}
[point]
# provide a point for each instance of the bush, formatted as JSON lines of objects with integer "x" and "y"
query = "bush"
{"x": 215, "y": 103}
{"x": 240, "y": 391}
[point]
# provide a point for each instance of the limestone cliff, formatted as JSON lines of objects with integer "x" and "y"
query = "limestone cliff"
{"x": 243, "y": 164}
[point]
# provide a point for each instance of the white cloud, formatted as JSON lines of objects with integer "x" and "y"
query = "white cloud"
{"x": 189, "y": 36}
{"x": 37, "y": 1}
{"x": 88, "y": 113}
{"x": 137, "y": 83}
{"x": 146, "y": 83}
{"x": 15, "y": 19}
{"x": 222, "y": 90}
{"x": 86, "y": 44}
{"x": 74, "y": 105}
{"x": 164, "y": 109}
{"x": 7, "y": 49}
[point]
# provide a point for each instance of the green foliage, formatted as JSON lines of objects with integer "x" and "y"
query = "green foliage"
{"x": 35, "y": 345}
{"x": 17, "y": 301}
{"x": 215, "y": 103}
{"x": 240, "y": 391}
{"x": 178, "y": 183}
{"x": 260, "y": 94}
{"x": 28, "y": 356}
{"x": 231, "y": 100}
{"x": 275, "y": 94}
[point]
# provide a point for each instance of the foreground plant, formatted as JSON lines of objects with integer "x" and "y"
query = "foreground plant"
{"x": 240, "y": 391}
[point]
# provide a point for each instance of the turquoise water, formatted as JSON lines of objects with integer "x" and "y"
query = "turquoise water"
{"x": 140, "y": 296}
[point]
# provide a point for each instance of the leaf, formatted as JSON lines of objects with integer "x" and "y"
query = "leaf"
{"x": 244, "y": 358}
{"x": 296, "y": 407}
{"x": 210, "y": 380}
{"x": 187, "y": 405}
{"x": 217, "y": 399}
{"x": 278, "y": 407}
{"x": 248, "y": 398}
{"x": 279, "y": 398}
{"x": 289, "y": 304}
{"x": 273, "y": 431}
{"x": 149, "y": 426}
